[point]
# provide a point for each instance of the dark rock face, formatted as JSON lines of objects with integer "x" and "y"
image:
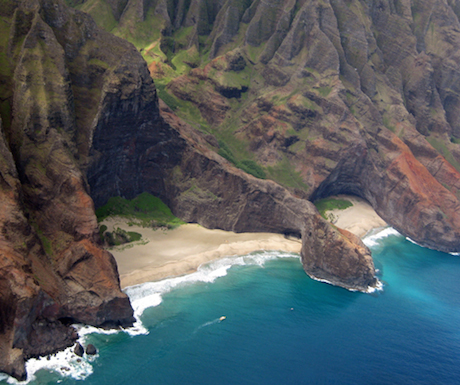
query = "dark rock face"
{"x": 130, "y": 144}
{"x": 339, "y": 257}
{"x": 54, "y": 272}
{"x": 359, "y": 97}
{"x": 79, "y": 351}
{"x": 91, "y": 350}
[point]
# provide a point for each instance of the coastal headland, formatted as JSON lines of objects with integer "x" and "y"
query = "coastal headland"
{"x": 164, "y": 253}
{"x": 256, "y": 112}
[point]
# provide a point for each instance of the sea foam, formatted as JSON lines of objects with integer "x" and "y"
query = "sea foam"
{"x": 65, "y": 363}
{"x": 150, "y": 294}
{"x": 415, "y": 243}
{"x": 374, "y": 238}
{"x": 370, "y": 289}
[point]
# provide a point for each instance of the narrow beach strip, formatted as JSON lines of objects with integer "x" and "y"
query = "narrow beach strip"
{"x": 171, "y": 253}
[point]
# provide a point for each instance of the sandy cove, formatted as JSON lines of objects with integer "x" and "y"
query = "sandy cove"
{"x": 359, "y": 219}
{"x": 170, "y": 253}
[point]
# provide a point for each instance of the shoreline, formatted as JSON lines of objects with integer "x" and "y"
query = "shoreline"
{"x": 162, "y": 254}
{"x": 358, "y": 219}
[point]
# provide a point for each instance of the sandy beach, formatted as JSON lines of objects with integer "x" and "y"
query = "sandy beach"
{"x": 359, "y": 219}
{"x": 168, "y": 253}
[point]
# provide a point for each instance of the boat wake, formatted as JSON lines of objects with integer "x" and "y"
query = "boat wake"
{"x": 213, "y": 322}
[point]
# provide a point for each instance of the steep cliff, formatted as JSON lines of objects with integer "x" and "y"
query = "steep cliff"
{"x": 322, "y": 96}
{"x": 53, "y": 271}
{"x": 336, "y": 96}
{"x": 138, "y": 147}
{"x": 79, "y": 113}
{"x": 207, "y": 189}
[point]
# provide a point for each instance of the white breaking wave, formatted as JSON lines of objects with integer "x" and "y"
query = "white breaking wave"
{"x": 143, "y": 296}
{"x": 426, "y": 247}
{"x": 369, "y": 290}
{"x": 65, "y": 363}
{"x": 378, "y": 287}
{"x": 85, "y": 330}
{"x": 150, "y": 294}
{"x": 372, "y": 239}
{"x": 415, "y": 243}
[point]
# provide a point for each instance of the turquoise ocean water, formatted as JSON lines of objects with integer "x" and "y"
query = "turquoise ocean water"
{"x": 282, "y": 327}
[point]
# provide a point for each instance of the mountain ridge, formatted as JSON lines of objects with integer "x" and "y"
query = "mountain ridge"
{"x": 316, "y": 101}
{"x": 325, "y": 97}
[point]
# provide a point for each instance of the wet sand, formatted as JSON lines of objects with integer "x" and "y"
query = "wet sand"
{"x": 169, "y": 253}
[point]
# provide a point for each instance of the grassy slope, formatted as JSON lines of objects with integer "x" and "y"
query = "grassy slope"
{"x": 145, "y": 210}
{"x": 328, "y": 204}
{"x": 171, "y": 55}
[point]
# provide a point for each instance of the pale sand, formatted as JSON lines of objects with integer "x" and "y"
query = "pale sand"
{"x": 170, "y": 253}
{"x": 359, "y": 219}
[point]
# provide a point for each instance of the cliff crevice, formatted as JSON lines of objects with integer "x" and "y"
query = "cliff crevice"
{"x": 53, "y": 268}
{"x": 320, "y": 97}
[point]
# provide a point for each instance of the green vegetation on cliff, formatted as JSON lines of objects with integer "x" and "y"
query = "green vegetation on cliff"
{"x": 174, "y": 53}
{"x": 145, "y": 210}
{"x": 119, "y": 237}
{"x": 289, "y": 102}
{"x": 246, "y": 165}
{"x": 329, "y": 204}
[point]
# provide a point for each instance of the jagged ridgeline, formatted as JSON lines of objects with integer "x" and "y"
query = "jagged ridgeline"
{"x": 332, "y": 96}
{"x": 80, "y": 124}
{"x": 324, "y": 97}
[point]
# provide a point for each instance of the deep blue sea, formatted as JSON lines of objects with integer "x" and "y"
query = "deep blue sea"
{"x": 282, "y": 327}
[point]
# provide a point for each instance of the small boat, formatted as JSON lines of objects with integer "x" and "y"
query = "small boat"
{"x": 222, "y": 318}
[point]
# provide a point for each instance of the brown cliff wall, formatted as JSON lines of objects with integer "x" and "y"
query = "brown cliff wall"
{"x": 358, "y": 97}
{"x": 53, "y": 270}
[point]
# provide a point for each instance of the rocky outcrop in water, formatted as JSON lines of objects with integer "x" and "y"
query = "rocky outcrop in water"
{"x": 80, "y": 114}
{"x": 355, "y": 97}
